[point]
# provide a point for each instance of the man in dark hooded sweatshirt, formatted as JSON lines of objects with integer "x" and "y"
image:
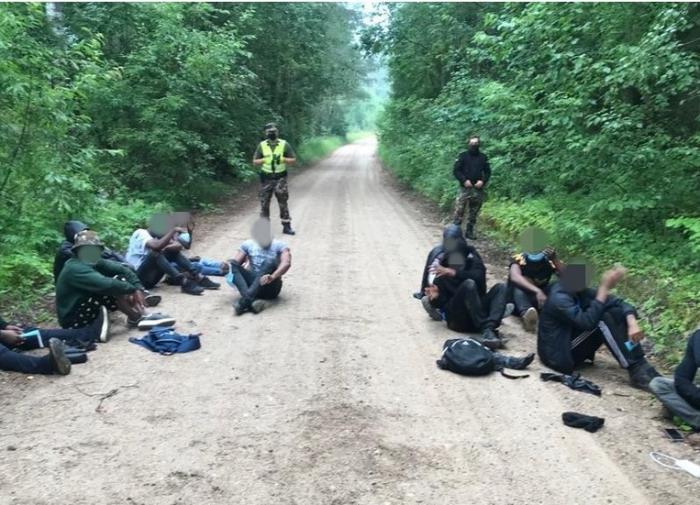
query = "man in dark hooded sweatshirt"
{"x": 576, "y": 320}
{"x": 64, "y": 252}
{"x": 455, "y": 290}
{"x": 472, "y": 170}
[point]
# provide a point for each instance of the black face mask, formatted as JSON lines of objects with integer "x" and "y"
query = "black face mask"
{"x": 272, "y": 135}
{"x": 473, "y": 149}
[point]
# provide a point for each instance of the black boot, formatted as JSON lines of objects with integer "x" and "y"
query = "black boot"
{"x": 489, "y": 337}
{"x": 470, "y": 232}
{"x": 641, "y": 374}
{"x": 512, "y": 362}
{"x": 191, "y": 287}
{"x": 287, "y": 229}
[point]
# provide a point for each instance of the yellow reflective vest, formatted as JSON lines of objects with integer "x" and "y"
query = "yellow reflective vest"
{"x": 273, "y": 160}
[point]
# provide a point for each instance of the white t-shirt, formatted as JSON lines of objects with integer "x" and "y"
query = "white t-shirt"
{"x": 137, "y": 247}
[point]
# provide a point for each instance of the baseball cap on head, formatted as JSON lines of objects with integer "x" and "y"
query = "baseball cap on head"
{"x": 270, "y": 126}
{"x": 87, "y": 237}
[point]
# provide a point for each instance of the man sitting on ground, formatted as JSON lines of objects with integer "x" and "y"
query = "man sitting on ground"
{"x": 528, "y": 283}
{"x": 457, "y": 292}
{"x": 576, "y": 320}
{"x": 151, "y": 252}
{"x": 55, "y": 362}
{"x": 89, "y": 285}
{"x": 64, "y": 252}
{"x": 269, "y": 259}
{"x": 680, "y": 395}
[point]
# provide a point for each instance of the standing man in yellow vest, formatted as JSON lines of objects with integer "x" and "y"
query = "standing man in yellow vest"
{"x": 273, "y": 155}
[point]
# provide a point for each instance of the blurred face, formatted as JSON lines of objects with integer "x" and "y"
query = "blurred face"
{"x": 450, "y": 244}
{"x": 271, "y": 133}
{"x": 576, "y": 277}
{"x": 158, "y": 225}
{"x": 474, "y": 143}
{"x": 262, "y": 233}
{"x": 89, "y": 254}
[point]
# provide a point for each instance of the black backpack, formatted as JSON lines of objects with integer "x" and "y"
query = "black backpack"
{"x": 466, "y": 356}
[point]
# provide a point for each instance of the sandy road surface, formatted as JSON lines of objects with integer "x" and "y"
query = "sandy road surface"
{"x": 329, "y": 397}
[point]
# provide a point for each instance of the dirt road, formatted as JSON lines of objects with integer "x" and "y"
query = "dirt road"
{"x": 329, "y": 397}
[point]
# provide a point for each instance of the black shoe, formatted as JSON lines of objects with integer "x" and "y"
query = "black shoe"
{"x": 207, "y": 283}
{"x": 59, "y": 360}
{"x": 641, "y": 375}
{"x": 489, "y": 337}
{"x": 191, "y": 288}
{"x": 433, "y": 312}
{"x": 152, "y": 300}
{"x": 287, "y": 229}
{"x": 514, "y": 363}
{"x": 258, "y": 306}
{"x": 175, "y": 281}
{"x": 241, "y": 307}
{"x": 77, "y": 358}
{"x": 417, "y": 295}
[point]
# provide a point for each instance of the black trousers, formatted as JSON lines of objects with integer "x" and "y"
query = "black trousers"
{"x": 15, "y": 362}
{"x": 611, "y": 331}
{"x": 156, "y": 265}
{"x": 248, "y": 282}
{"x": 468, "y": 311}
{"x": 523, "y": 299}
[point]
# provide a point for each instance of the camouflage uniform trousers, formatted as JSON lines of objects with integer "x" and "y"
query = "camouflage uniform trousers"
{"x": 472, "y": 198}
{"x": 279, "y": 188}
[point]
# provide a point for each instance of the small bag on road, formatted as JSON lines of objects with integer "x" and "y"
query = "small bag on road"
{"x": 466, "y": 356}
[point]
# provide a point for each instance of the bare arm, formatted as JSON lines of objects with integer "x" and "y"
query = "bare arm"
{"x": 158, "y": 244}
{"x": 240, "y": 257}
{"x": 284, "y": 266}
{"x": 517, "y": 277}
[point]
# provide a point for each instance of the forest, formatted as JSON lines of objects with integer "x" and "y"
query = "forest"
{"x": 589, "y": 115}
{"x": 111, "y": 111}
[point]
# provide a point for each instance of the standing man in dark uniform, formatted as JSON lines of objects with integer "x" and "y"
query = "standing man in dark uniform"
{"x": 273, "y": 155}
{"x": 473, "y": 172}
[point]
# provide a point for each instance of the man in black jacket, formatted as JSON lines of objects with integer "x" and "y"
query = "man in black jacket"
{"x": 680, "y": 395}
{"x": 473, "y": 172}
{"x": 575, "y": 321}
{"x": 456, "y": 290}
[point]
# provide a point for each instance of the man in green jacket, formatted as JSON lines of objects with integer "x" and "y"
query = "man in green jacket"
{"x": 89, "y": 285}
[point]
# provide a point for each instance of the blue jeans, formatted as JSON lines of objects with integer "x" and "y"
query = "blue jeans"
{"x": 15, "y": 362}
{"x": 206, "y": 266}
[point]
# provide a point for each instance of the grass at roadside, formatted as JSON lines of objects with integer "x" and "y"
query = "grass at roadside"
{"x": 359, "y": 135}
{"x": 317, "y": 148}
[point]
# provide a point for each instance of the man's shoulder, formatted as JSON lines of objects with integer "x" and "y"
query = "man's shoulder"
{"x": 279, "y": 245}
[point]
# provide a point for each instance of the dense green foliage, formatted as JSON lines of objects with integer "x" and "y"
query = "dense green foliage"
{"x": 589, "y": 114}
{"x": 110, "y": 111}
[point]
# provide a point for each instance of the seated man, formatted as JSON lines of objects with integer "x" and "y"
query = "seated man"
{"x": 681, "y": 396}
{"x": 28, "y": 338}
{"x": 528, "y": 283}
{"x": 204, "y": 266}
{"x": 89, "y": 285}
{"x": 268, "y": 261}
{"x": 575, "y": 321}
{"x": 55, "y": 362}
{"x": 151, "y": 252}
{"x": 64, "y": 253}
{"x": 458, "y": 294}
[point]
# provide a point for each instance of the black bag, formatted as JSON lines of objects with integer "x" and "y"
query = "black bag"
{"x": 466, "y": 356}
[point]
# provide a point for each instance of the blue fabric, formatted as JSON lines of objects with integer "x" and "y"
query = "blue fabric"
{"x": 206, "y": 267}
{"x": 166, "y": 341}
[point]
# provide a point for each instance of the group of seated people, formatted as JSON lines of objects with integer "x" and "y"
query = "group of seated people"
{"x": 93, "y": 280}
{"x": 572, "y": 319}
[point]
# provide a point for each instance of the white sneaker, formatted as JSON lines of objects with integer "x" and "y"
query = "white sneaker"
{"x": 530, "y": 319}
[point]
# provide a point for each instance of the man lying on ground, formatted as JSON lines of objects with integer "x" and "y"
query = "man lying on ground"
{"x": 151, "y": 252}
{"x": 64, "y": 252}
{"x": 269, "y": 259}
{"x": 89, "y": 285}
{"x": 528, "y": 283}
{"x": 576, "y": 320}
{"x": 457, "y": 292}
{"x": 680, "y": 395}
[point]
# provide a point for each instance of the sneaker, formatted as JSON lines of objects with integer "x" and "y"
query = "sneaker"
{"x": 530, "y": 318}
{"x": 207, "y": 283}
{"x": 57, "y": 354}
{"x": 191, "y": 288}
{"x": 239, "y": 308}
{"x": 287, "y": 229}
{"x": 258, "y": 306}
{"x": 433, "y": 312}
{"x": 102, "y": 322}
{"x": 642, "y": 374}
{"x": 175, "y": 281}
{"x": 151, "y": 321}
{"x": 510, "y": 307}
{"x": 417, "y": 295}
{"x": 152, "y": 300}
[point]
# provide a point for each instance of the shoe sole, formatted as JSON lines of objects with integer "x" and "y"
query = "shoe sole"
{"x": 104, "y": 330}
{"x": 60, "y": 360}
{"x": 152, "y": 300}
{"x": 147, "y": 325}
{"x": 530, "y": 319}
{"x": 432, "y": 311}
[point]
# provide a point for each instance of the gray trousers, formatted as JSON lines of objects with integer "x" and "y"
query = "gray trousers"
{"x": 666, "y": 392}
